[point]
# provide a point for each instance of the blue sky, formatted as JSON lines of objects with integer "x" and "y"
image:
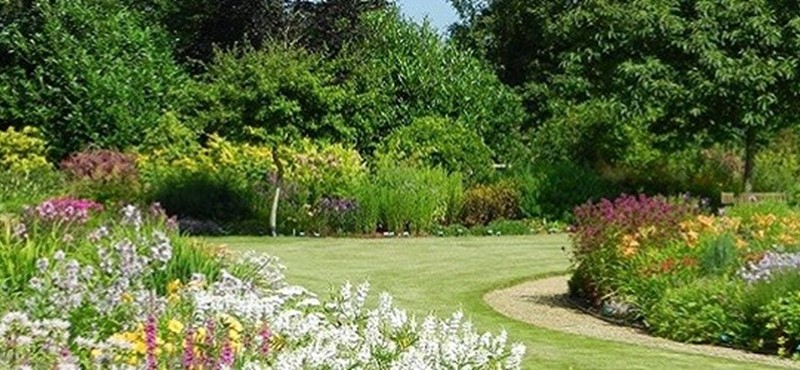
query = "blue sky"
{"x": 439, "y": 12}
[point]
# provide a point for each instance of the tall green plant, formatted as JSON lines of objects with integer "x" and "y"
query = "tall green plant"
{"x": 85, "y": 72}
{"x": 401, "y": 197}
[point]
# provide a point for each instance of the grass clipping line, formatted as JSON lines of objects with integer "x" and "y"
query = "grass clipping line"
{"x": 544, "y": 303}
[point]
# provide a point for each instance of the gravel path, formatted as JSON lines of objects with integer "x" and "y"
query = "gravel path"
{"x": 543, "y": 303}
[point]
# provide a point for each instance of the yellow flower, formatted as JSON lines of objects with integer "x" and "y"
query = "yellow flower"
{"x": 174, "y": 286}
{"x": 139, "y": 347}
{"x": 127, "y": 297}
{"x": 234, "y": 335}
{"x": 200, "y": 334}
{"x": 231, "y": 322}
{"x": 645, "y": 232}
{"x": 173, "y": 299}
{"x": 740, "y": 243}
{"x": 170, "y": 348}
{"x": 707, "y": 221}
{"x": 133, "y": 360}
{"x": 691, "y": 238}
{"x": 175, "y": 326}
{"x": 95, "y": 353}
{"x": 629, "y": 245}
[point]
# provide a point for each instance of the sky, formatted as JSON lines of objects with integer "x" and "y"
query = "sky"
{"x": 439, "y": 12}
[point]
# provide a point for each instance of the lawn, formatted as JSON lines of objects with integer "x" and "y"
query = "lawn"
{"x": 441, "y": 275}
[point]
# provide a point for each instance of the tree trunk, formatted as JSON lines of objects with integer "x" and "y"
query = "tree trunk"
{"x": 749, "y": 159}
{"x": 273, "y": 213}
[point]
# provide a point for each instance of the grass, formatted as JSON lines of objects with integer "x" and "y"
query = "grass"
{"x": 440, "y": 275}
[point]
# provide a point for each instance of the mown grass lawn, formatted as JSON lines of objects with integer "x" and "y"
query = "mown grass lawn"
{"x": 441, "y": 275}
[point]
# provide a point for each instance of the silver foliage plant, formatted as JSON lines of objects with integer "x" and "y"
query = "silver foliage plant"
{"x": 342, "y": 332}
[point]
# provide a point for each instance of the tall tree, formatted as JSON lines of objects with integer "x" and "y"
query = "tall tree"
{"x": 404, "y": 71}
{"x": 652, "y": 72}
{"x": 84, "y": 72}
{"x": 200, "y": 26}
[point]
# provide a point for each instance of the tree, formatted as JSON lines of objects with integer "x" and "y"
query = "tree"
{"x": 439, "y": 142}
{"x": 273, "y": 96}
{"x": 663, "y": 73}
{"x": 84, "y": 72}
{"x": 404, "y": 71}
{"x": 200, "y": 26}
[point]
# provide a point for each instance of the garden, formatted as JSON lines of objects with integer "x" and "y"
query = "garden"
{"x": 157, "y": 157}
{"x": 728, "y": 279}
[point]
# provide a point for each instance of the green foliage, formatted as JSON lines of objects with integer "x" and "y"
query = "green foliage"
{"x": 19, "y": 190}
{"x": 23, "y": 151}
{"x": 778, "y": 166}
{"x": 201, "y": 26}
{"x": 719, "y": 255}
{"x": 762, "y": 292}
{"x": 190, "y": 257}
{"x": 242, "y": 97}
{"x": 747, "y": 211}
{"x": 702, "y": 312}
{"x": 553, "y": 190}
{"x": 207, "y": 196}
{"x": 27, "y": 177}
{"x": 400, "y": 197}
{"x": 782, "y": 317}
{"x": 403, "y": 71}
{"x": 106, "y": 176}
{"x": 510, "y": 227}
{"x": 434, "y": 141}
{"x": 85, "y": 72}
{"x": 486, "y": 203}
{"x": 623, "y": 81}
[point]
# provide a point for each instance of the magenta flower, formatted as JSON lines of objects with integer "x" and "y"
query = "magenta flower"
{"x": 226, "y": 356}
{"x": 151, "y": 333}
{"x": 265, "y": 334}
{"x": 188, "y": 349}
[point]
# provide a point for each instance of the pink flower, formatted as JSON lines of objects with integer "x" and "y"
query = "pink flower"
{"x": 265, "y": 334}
{"x": 151, "y": 333}
{"x": 188, "y": 349}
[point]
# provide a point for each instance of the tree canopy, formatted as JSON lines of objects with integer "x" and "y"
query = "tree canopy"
{"x": 646, "y": 73}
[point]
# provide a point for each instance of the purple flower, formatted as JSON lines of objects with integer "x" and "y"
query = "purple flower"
{"x": 151, "y": 332}
{"x": 770, "y": 264}
{"x": 66, "y": 210}
{"x": 226, "y": 357}
{"x": 265, "y": 334}
{"x": 188, "y": 349}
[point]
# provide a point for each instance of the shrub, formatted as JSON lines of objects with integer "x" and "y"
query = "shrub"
{"x": 552, "y": 191}
{"x": 400, "y": 197}
{"x": 23, "y": 152}
{"x": 486, "y": 203}
{"x": 208, "y": 196}
{"x": 106, "y": 176}
{"x": 782, "y": 318}
{"x": 134, "y": 295}
{"x": 706, "y": 311}
{"x": 510, "y": 227}
{"x": 440, "y": 142}
{"x": 394, "y": 84}
{"x": 609, "y": 235}
{"x": 760, "y": 295}
{"x": 719, "y": 255}
{"x": 244, "y": 174}
{"x": 85, "y": 72}
{"x": 778, "y": 165}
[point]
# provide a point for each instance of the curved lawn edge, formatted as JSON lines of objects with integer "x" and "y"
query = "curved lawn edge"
{"x": 542, "y": 302}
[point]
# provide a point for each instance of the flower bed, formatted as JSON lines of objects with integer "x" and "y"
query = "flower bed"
{"x": 731, "y": 279}
{"x": 126, "y": 292}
